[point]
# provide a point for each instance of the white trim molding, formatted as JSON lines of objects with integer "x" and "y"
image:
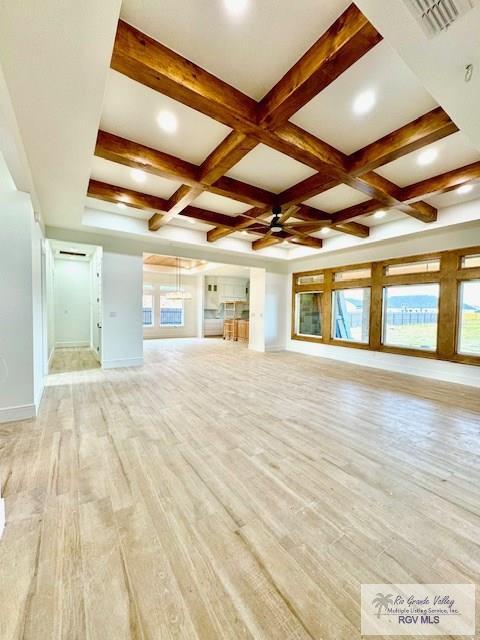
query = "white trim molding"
{"x": 116, "y": 364}
{"x": 15, "y": 414}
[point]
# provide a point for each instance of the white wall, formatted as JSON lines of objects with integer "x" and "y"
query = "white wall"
{"x": 21, "y": 343}
{"x": 276, "y": 305}
{"x": 256, "y": 340}
{"x": 192, "y": 285}
{"x": 436, "y": 369}
{"x": 122, "y": 286}
{"x": 72, "y": 303}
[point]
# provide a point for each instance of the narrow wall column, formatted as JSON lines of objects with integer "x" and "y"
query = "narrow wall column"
{"x": 21, "y": 371}
{"x": 122, "y": 290}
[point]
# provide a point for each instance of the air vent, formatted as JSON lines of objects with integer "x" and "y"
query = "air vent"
{"x": 72, "y": 253}
{"x": 435, "y": 16}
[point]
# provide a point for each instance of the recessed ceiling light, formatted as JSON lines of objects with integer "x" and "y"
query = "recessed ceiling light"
{"x": 364, "y": 102}
{"x": 138, "y": 176}
{"x": 121, "y": 205}
{"x": 427, "y": 157}
{"x": 379, "y": 214}
{"x": 167, "y": 121}
{"x": 465, "y": 188}
{"x": 325, "y": 230}
{"x": 236, "y": 7}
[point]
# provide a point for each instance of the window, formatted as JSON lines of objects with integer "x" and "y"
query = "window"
{"x": 309, "y": 314}
{"x": 350, "y": 314}
{"x": 468, "y": 262}
{"x": 352, "y": 274}
{"x": 148, "y": 309}
{"x": 469, "y": 318}
{"x": 410, "y": 316}
{"x": 171, "y": 312}
{"x": 313, "y": 279}
{"x": 424, "y": 266}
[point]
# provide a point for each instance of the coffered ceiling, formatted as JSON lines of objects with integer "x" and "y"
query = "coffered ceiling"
{"x": 333, "y": 128}
{"x": 187, "y": 122}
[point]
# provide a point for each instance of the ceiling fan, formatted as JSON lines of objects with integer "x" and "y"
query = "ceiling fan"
{"x": 278, "y": 223}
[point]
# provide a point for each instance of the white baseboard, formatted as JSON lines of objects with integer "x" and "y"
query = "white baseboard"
{"x": 129, "y": 362}
{"x": 15, "y": 414}
{"x": 66, "y": 345}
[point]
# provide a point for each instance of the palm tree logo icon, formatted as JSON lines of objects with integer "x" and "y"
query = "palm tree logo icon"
{"x": 382, "y": 602}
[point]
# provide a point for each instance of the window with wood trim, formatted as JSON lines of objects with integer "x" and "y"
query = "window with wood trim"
{"x": 425, "y": 305}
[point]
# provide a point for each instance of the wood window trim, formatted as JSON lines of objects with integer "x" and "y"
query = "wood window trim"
{"x": 448, "y": 277}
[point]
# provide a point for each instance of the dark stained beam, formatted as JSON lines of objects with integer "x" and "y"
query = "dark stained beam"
{"x": 430, "y": 127}
{"x": 345, "y": 42}
{"x": 441, "y": 183}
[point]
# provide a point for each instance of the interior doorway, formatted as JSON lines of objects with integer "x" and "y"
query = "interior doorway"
{"x": 192, "y": 298}
{"x": 74, "y": 306}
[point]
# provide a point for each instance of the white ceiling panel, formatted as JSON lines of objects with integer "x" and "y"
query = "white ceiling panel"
{"x": 252, "y": 49}
{"x": 121, "y": 176}
{"x": 270, "y": 169}
{"x": 132, "y": 111}
{"x": 451, "y": 153}
{"x": 453, "y": 197}
{"x": 337, "y": 198}
{"x": 400, "y": 98}
{"x": 220, "y": 204}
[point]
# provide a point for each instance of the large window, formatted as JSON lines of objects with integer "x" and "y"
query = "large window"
{"x": 309, "y": 314}
{"x": 351, "y": 312}
{"x": 425, "y": 305}
{"x": 469, "y": 318}
{"x": 171, "y": 312}
{"x": 148, "y": 314}
{"x": 410, "y": 316}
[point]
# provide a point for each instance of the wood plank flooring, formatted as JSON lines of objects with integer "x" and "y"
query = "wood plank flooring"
{"x": 73, "y": 359}
{"x": 220, "y": 493}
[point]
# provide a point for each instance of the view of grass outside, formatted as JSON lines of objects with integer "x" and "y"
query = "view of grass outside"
{"x": 411, "y": 316}
{"x": 469, "y": 339}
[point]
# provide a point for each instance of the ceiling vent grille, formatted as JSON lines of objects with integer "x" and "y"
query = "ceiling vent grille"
{"x": 435, "y": 16}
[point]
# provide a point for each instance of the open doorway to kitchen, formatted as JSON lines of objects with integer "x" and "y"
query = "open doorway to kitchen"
{"x": 74, "y": 306}
{"x": 195, "y": 299}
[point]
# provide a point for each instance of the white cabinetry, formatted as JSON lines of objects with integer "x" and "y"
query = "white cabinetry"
{"x": 222, "y": 289}
{"x": 213, "y": 327}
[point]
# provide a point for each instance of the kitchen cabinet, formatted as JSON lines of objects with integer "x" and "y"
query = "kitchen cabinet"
{"x": 213, "y": 327}
{"x": 220, "y": 289}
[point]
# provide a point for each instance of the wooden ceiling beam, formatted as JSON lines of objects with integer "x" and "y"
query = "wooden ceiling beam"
{"x": 349, "y": 38}
{"x": 128, "y": 197}
{"x": 352, "y": 228}
{"x": 430, "y": 127}
{"x": 441, "y": 183}
{"x": 138, "y": 156}
{"x": 132, "y": 154}
{"x": 145, "y": 60}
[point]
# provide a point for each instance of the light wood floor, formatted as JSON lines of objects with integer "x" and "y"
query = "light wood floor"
{"x": 73, "y": 359}
{"x": 220, "y": 493}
